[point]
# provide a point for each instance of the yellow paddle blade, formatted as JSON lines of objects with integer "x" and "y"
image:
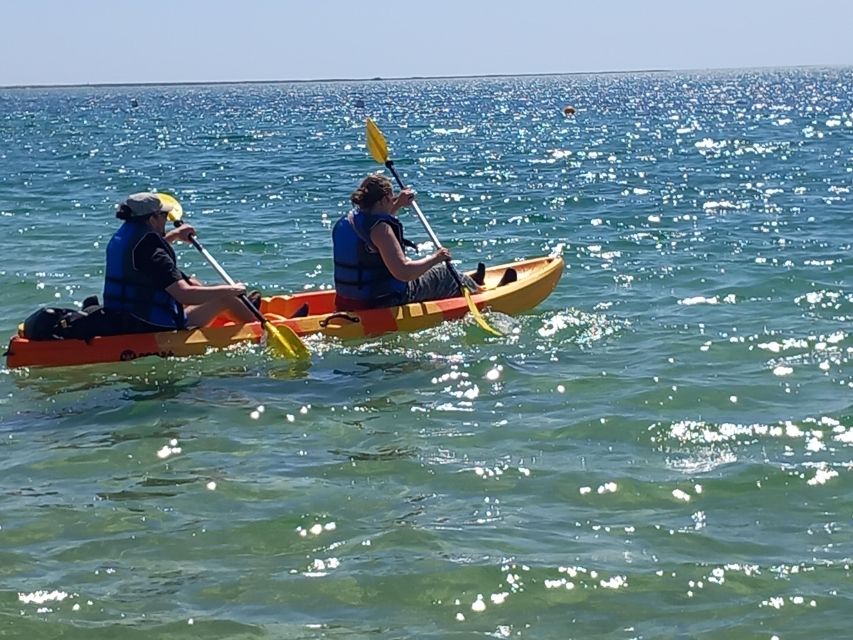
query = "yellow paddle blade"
{"x": 284, "y": 342}
{"x": 177, "y": 211}
{"x": 376, "y": 144}
{"x": 478, "y": 317}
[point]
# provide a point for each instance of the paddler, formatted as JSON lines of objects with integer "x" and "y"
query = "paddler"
{"x": 371, "y": 266}
{"x": 143, "y": 288}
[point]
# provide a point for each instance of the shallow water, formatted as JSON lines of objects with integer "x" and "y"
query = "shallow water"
{"x": 662, "y": 449}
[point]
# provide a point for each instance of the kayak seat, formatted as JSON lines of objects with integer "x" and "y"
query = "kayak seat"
{"x": 509, "y": 276}
{"x": 255, "y": 298}
{"x": 480, "y": 276}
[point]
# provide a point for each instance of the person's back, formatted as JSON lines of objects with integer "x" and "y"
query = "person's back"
{"x": 140, "y": 265}
{"x": 362, "y": 280}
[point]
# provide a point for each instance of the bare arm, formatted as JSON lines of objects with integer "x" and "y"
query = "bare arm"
{"x": 181, "y": 233}
{"x": 191, "y": 294}
{"x": 403, "y": 199}
{"x": 398, "y": 264}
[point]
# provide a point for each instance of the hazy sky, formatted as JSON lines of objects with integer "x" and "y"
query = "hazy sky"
{"x": 109, "y": 41}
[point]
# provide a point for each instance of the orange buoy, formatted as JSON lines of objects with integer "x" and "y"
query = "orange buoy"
{"x": 569, "y": 110}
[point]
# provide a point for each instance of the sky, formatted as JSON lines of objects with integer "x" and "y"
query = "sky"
{"x": 153, "y": 41}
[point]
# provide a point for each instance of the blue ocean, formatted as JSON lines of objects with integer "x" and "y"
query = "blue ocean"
{"x": 661, "y": 449}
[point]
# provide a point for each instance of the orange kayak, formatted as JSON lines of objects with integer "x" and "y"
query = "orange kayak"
{"x": 537, "y": 278}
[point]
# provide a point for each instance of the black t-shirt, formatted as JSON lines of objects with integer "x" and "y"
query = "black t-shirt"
{"x": 154, "y": 260}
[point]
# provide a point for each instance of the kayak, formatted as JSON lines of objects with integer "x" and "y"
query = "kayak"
{"x": 536, "y": 279}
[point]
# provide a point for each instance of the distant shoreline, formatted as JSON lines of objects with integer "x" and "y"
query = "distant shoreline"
{"x": 396, "y": 79}
{"x": 318, "y": 80}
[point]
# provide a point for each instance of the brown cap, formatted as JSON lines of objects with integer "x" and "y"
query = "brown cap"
{"x": 145, "y": 204}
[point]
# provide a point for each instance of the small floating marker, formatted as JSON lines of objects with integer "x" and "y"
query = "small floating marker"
{"x": 568, "y": 110}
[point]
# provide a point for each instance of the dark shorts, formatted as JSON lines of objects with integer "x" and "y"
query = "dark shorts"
{"x": 436, "y": 284}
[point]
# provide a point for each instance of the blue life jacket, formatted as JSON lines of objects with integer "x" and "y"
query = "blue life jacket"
{"x": 129, "y": 290}
{"x": 360, "y": 273}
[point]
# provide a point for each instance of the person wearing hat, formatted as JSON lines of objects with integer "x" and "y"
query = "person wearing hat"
{"x": 143, "y": 288}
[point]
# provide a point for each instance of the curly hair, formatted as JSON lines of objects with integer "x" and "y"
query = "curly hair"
{"x": 371, "y": 190}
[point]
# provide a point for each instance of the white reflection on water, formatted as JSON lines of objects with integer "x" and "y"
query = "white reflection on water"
{"x": 587, "y": 327}
{"x": 316, "y": 529}
{"x": 40, "y": 597}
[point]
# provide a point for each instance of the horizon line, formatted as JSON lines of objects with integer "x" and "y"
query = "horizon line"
{"x": 398, "y": 78}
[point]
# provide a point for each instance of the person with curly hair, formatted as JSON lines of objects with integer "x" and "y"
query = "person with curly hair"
{"x": 371, "y": 266}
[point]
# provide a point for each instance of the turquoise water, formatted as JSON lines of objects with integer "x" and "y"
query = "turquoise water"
{"x": 662, "y": 449}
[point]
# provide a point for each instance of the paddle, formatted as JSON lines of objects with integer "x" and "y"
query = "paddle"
{"x": 283, "y": 341}
{"x": 378, "y": 148}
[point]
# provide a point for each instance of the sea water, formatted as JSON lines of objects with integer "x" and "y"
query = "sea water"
{"x": 661, "y": 449}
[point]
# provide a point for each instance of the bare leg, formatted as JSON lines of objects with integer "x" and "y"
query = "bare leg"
{"x": 201, "y": 315}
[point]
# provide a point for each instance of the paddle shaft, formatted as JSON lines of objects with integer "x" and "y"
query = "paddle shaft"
{"x": 430, "y": 232}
